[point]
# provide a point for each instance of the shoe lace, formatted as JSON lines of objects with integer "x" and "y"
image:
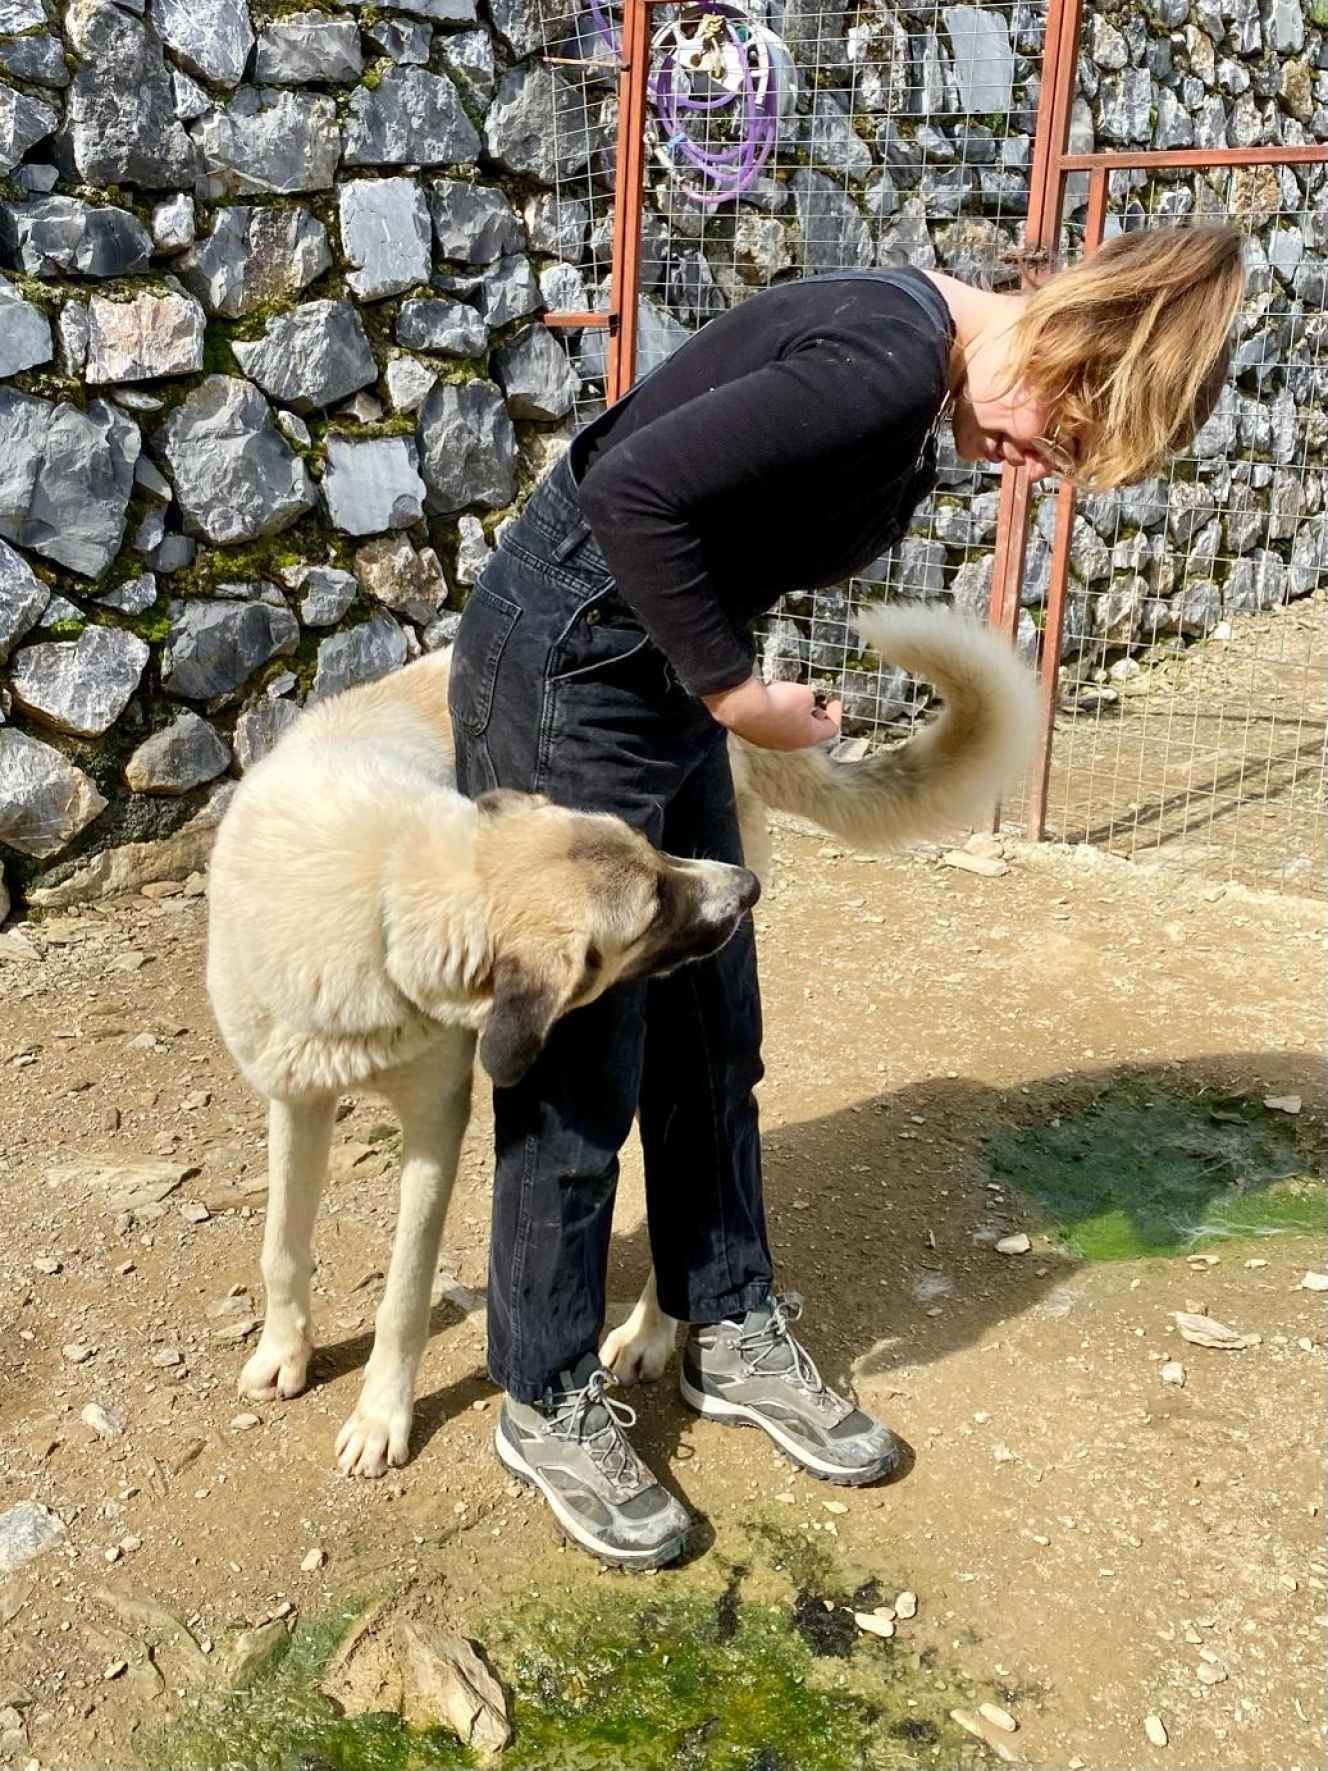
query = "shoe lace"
{"x": 605, "y": 1444}
{"x": 757, "y": 1346}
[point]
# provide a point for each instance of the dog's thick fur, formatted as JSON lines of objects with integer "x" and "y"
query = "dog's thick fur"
{"x": 367, "y": 924}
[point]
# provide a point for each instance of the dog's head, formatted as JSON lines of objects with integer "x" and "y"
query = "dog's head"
{"x": 579, "y": 901}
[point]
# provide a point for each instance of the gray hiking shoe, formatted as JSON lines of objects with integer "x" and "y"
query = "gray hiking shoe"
{"x": 573, "y": 1449}
{"x": 754, "y": 1373}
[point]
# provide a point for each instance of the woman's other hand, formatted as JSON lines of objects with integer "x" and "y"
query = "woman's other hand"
{"x": 776, "y": 716}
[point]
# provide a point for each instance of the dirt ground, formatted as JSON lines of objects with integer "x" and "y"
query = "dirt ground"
{"x": 1084, "y": 1539}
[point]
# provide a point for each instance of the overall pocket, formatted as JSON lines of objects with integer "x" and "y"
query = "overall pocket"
{"x": 487, "y": 623}
{"x": 602, "y": 634}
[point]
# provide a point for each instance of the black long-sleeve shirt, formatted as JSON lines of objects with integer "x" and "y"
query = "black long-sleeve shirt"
{"x": 775, "y": 450}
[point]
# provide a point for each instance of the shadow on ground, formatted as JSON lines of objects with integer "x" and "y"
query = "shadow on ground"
{"x": 883, "y": 1214}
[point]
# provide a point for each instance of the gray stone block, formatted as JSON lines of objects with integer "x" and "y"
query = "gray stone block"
{"x": 180, "y": 756}
{"x": 467, "y": 447}
{"x": 533, "y": 371}
{"x": 158, "y": 332}
{"x": 435, "y": 324}
{"x": 39, "y": 59}
{"x": 255, "y": 258}
{"x": 401, "y": 39}
{"x": 325, "y": 593}
{"x": 385, "y": 235}
{"x": 473, "y": 223}
{"x": 311, "y": 357}
{"x": 268, "y": 138}
{"x": 468, "y": 57}
{"x": 23, "y": 598}
{"x": 24, "y": 121}
{"x": 174, "y": 225}
{"x": 211, "y": 38}
{"x": 259, "y": 727}
{"x": 411, "y": 118}
{"x": 308, "y": 47}
{"x": 834, "y": 234}
{"x": 408, "y": 381}
{"x": 372, "y": 485}
{"x": 25, "y": 332}
{"x": 541, "y": 125}
{"x": 557, "y": 225}
{"x": 63, "y": 236}
{"x": 80, "y": 686}
{"x": 66, "y": 477}
{"x": 358, "y": 655}
{"x": 214, "y": 646}
{"x": 408, "y": 580}
{"x": 134, "y": 597}
{"x": 235, "y": 476}
{"x": 44, "y": 800}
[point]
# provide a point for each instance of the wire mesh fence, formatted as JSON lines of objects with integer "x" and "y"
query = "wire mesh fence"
{"x": 1190, "y": 723}
{"x": 785, "y": 138}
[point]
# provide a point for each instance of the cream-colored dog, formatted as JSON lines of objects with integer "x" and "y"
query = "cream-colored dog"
{"x": 368, "y": 925}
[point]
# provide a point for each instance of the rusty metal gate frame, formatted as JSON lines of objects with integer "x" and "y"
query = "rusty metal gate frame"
{"x": 1051, "y": 166}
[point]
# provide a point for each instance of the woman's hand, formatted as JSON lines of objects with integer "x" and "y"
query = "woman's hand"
{"x": 776, "y": 716}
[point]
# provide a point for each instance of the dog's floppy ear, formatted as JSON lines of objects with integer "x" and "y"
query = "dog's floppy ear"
{"x": 507, "y": 799}
{"x": 525, "y": 1006}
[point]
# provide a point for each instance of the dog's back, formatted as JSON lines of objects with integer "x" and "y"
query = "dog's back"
{"x": 297, "y": 968}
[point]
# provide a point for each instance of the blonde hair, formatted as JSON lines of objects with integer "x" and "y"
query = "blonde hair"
{"x": 1130, "y": 348}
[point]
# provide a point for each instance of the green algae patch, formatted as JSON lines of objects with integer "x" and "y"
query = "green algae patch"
{"x": 619, "y": 1672}
{"x": 1144, "y": 1172}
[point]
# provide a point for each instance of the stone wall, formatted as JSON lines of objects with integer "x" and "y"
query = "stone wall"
{"x": 273, "y": 374}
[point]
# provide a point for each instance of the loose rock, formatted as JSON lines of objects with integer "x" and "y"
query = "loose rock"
{"x": 26, "y": 1532}
{"x": 1172, "y": 1372}
{"x": 1206, "y": 1331}
{"x": 1156, "y": 1730}
{"x": 1019, "y": 1243}
{"x": 106, "y": 1423}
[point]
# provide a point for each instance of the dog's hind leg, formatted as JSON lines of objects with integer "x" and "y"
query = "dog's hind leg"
{"x": 639, "y": 1350}
{"x": 432, "y": 1097}
{"x": 299, "y": 1135}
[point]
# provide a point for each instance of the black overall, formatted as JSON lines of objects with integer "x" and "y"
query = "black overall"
{"x": 557, "y": 688}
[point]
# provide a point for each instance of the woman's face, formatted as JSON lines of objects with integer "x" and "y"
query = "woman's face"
{"x": 1001, "y": 424}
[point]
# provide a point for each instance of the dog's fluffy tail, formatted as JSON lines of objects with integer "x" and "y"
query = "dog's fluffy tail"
{"x": 948, "y": 776}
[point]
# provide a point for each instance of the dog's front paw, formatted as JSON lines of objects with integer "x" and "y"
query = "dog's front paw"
{"x": 637, "y": 1352}
{"x": 375, "y": 1437}
{"x": 277, "y": 1369}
